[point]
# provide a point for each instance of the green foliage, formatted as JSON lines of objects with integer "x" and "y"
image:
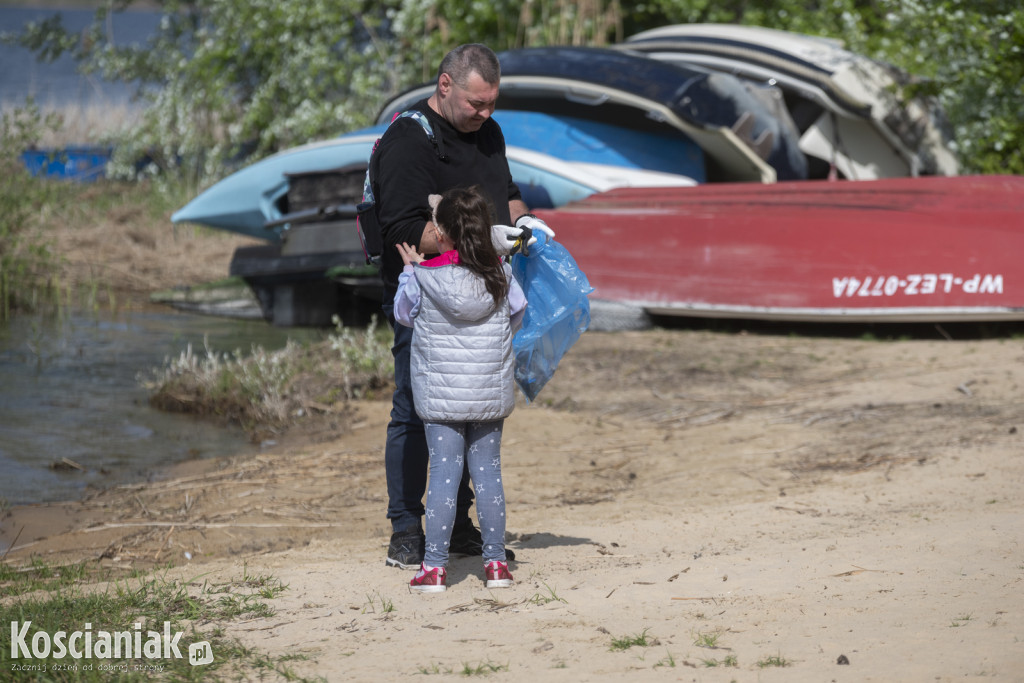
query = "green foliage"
{"x": 626, "y": 642}
{"x": 363, "y": 354}
{"x": 440, "y": 25}
{"x": 227, "y": 82}
{"x": 26, "y": 262}
{"x": 38, "y": 575}
{"x": 482, "y": 668}
{"x": 64, "y": 603}
{"x": 269, "y": 389}
{"x": 225, "y": 79}
{"x": 551, "y": 596}
{"x": 973, "y": 54}
{"x": 970, "y": 55}
{"x": 387, "y": 605}
{"x": 248, "y": 390}
{"x": 772, "y": 661}
{"x": 838, "y": 17}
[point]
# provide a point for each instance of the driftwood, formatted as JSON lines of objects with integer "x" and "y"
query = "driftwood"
{"x": 210, "y": 525}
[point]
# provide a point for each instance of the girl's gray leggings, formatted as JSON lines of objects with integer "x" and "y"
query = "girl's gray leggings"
{"x": 449, "y": 444}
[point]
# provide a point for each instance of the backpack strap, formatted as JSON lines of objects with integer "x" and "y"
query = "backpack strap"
{"x": 420, "y": 118}
{"x": 367, "y": 225}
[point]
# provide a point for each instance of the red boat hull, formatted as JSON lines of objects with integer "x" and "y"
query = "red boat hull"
{"x": 900, "y": 249}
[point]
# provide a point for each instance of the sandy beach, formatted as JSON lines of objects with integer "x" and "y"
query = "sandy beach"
{"x": 684, "y": 504}
{"x": 736, "y": 501}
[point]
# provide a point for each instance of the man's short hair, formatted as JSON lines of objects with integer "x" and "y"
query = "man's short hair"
{"x": 461, "y": 62}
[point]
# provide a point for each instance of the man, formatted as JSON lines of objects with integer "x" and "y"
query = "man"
{"x": 406, "y": 168}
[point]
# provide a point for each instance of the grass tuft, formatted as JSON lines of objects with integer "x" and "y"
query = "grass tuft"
{"x": 482, "y": 669}
{"x": 551, "y": 596}
{"x": 626, "y": 642}
{"x": 267, "y": 390}
{"x": 708, "y": 640}
{"x": 387, "y": 606}
{"x": 773, "y": 660}
{"x": 56, "y": 599}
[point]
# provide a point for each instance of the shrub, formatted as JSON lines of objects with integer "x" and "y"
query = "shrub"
{"x": 269, "y": 390}
{"x": 26, "y": 262}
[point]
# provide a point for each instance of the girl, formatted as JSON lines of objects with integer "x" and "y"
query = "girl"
{"x": 464, "y": 307}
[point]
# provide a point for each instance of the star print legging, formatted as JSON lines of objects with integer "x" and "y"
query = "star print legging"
{"x": 449, "y": 443}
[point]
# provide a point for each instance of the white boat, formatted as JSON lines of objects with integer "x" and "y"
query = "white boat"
{"x": 302, "y": 203}
{"x": 855, "y": 119}
{"x": 257, "y": 200}
{"x": 633, "y": 94}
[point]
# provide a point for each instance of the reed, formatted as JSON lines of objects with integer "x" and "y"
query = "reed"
{"x": 24, "y": 256}
{"x": 268, "y": 391}
{"x": 94, "y": 123}
{"x": 53, "y": 232}
{"x": 569, "y": 22}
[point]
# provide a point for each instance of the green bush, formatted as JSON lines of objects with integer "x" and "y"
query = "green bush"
{"x": 226, "y": 82}
{"x": 265, "y": 391}
{"x": 26, "y": 262}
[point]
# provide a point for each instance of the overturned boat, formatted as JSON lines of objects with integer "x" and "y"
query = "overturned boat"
{"x": 931, "y": 249}
{"x": 674, "y": 104}
{"x": 302, "y": 202}
{"x": 854, "y": 115}
{"x": 658, "y": 164}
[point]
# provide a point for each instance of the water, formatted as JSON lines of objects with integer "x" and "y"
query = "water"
{"x": 69, "y": 389}
{"x": 58, "y": 84}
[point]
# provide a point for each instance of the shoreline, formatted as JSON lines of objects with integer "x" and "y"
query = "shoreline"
{"x": 46, "y": 519}
{"x": 753, "y": 505}
{"x": 49, "y": 526}
{"x": 76, "y": 415}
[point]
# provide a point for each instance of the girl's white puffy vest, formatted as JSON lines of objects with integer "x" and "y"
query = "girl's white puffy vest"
{"x": 462, "y": 361}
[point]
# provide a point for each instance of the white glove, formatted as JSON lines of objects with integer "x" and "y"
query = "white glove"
{"x": 528, "y": 220}
{"x": 504, "y": 238}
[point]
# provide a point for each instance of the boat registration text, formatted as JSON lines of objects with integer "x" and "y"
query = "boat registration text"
{"x": 914, "y": 285}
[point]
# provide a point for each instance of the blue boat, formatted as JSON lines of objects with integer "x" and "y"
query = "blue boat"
{"x": 625, "y": 94}
{"x": 78, "y": 163}
{"x": 248, "y": 200}
{"x": 586, "y": 141}
{"x": 302, "y": 203}
{"x": 255, "y": 201}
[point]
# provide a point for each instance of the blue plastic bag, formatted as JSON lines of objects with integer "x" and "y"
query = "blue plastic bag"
{"x": 557, "y": 311}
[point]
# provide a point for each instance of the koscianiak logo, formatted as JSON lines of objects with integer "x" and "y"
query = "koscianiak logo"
{"x": 82, "y": 646}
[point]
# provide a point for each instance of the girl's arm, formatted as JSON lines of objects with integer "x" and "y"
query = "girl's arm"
{"x": 407, "y": 298}
{"x": 516, "y": 304}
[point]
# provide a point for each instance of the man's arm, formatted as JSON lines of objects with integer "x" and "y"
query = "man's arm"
{"x": 516, "y": 208}
{"x": 428, "y": 241}
{"x": 403, "y": 179}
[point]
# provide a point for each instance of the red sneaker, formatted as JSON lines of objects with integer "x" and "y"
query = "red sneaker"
{"x": 429, "y": 580}
{"x": 497, "y": 575}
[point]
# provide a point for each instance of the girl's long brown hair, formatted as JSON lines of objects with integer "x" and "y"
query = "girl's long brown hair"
{"x": 466, "y": 216}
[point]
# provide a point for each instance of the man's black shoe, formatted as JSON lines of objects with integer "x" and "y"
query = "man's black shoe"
{"x": 406, "y": 548}
{"x": 466, "y": 540}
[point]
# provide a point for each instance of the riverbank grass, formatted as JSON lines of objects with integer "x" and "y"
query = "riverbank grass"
{"x": 131, "y": 628}
{"x": 267, "y": 391}
{"x": 51, "y": 228}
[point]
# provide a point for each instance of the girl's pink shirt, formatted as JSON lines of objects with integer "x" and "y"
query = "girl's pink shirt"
{"x": 449, "y": 257}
